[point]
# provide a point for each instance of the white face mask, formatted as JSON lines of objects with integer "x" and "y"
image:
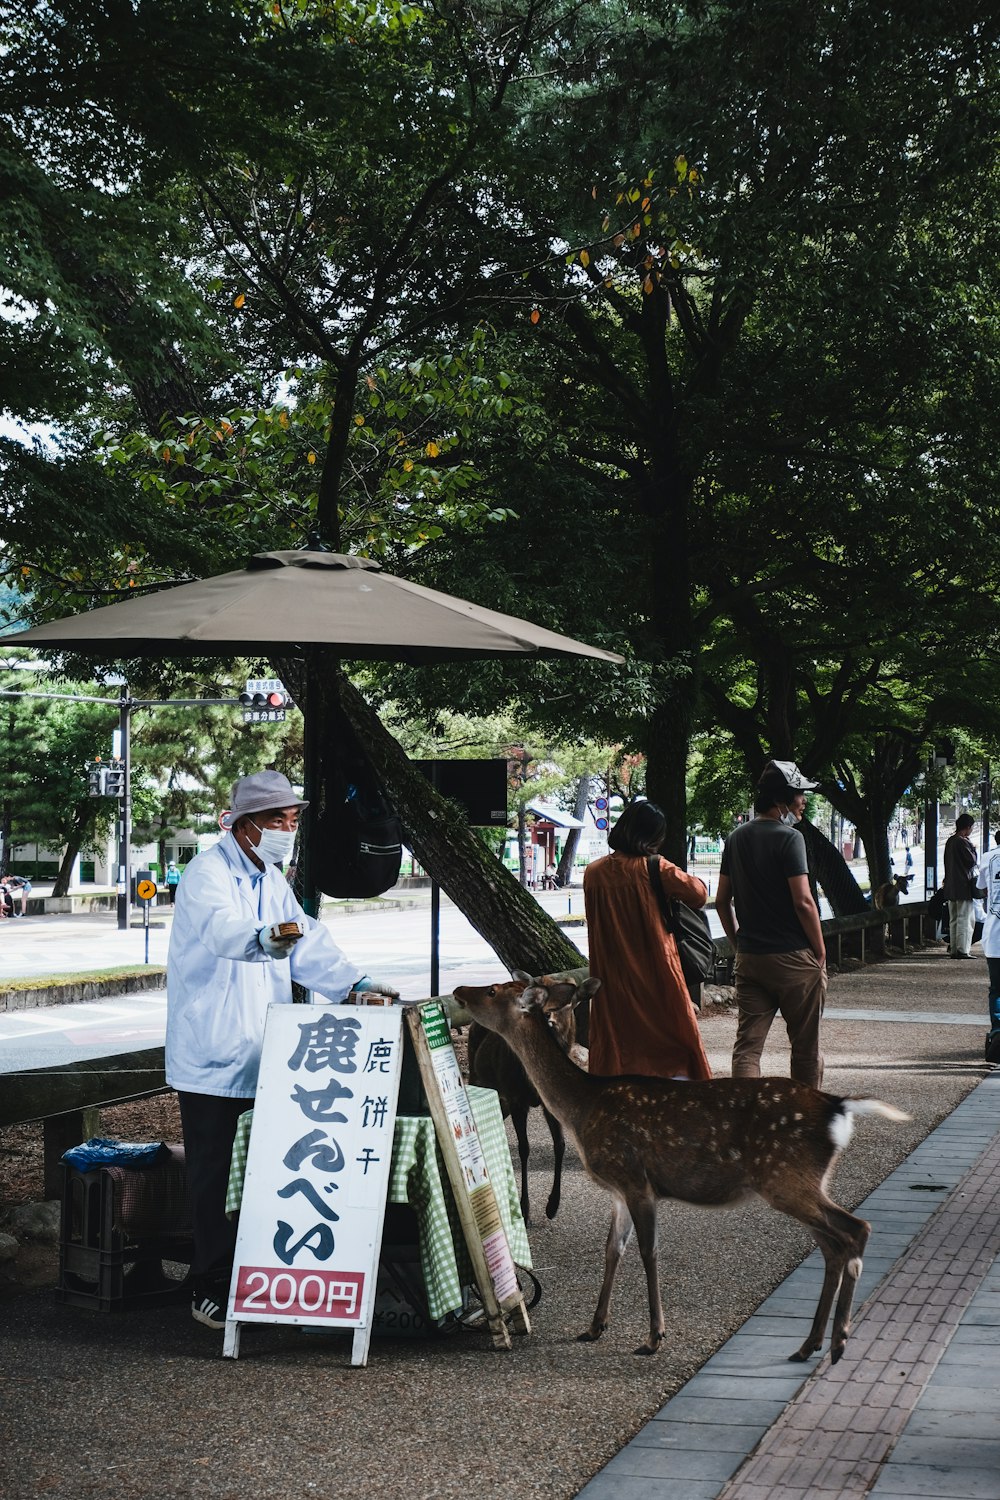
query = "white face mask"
{"x": 789, "y": 817}
{"x": 275, "y": 845}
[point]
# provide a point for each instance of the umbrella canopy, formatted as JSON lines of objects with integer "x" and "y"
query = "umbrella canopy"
{"x": 284, "y": 602}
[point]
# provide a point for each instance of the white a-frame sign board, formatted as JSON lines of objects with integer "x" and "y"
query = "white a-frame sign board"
{"x": 317, "y": 1173}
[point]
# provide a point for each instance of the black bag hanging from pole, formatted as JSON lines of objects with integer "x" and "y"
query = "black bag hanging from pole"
{"x": 357, "y": 844}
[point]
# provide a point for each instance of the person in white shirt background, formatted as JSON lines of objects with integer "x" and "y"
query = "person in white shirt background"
{"x": 989, "y": 888}
{"x": 225, "y": 965}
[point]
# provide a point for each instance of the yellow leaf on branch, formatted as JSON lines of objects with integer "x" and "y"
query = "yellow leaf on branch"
{"x": 310, "y": 458}
{"x": 432, "y": 450}
{"x": 239, "y": 301}
{"x": 584, "y": 258}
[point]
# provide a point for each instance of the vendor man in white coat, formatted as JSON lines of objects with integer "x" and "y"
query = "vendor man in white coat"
{"x": 224, "y": 967}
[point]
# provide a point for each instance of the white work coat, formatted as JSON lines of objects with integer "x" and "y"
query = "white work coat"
{"x": 219, "y": 979}
{"x": 989, "y": 877}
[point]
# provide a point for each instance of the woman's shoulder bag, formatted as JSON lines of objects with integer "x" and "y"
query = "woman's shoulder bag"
{"x": 691, "y": 933}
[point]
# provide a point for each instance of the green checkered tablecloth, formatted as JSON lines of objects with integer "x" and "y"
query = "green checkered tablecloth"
{"x": 419, "y": 1178}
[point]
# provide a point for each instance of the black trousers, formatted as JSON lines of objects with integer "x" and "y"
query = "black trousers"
{"x": 209, "y": 1124}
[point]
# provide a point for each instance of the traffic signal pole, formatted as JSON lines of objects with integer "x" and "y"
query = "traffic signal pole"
{"x": 124, "y": 812}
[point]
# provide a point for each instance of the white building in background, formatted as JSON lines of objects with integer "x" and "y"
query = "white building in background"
{"x": 97, "y": 867}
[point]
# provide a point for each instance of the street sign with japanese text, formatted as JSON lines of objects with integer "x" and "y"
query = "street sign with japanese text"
{"x": 317, "y": 1173}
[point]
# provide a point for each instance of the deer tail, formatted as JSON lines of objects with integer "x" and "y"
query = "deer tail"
{"x": 874, "y": 1107}
{"x": 841, "y": 1125}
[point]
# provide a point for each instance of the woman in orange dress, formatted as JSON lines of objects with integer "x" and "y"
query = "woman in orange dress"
{"x": 641, "y": 1019}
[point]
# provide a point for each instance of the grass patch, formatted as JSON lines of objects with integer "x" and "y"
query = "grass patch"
{"x": 86, "y": 976}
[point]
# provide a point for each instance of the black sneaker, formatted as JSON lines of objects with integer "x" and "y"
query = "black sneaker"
{"x": 205, "y": 1309}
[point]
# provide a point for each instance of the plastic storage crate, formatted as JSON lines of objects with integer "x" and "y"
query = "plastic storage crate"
{"x": 107, "y": 1263}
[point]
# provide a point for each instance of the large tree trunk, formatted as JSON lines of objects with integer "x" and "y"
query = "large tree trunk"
{"x": 666, "y": 770}
{"x": 520, "y": 932}
{"x": 82, "y": 817}
{"x": 873, "y": 826}
{"x": 6, "y": 821}
{"x": 831, "y": 870}
{"x": 567, "y": 859}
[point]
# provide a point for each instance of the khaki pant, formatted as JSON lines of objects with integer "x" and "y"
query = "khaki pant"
{"x": 961, "y": 925}
{"x": 795, "y": 985}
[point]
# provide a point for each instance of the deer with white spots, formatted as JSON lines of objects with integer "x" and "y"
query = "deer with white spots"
{"x": 714, "y": 1144}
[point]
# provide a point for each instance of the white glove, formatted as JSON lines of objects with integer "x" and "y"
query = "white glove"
{"x": 366, "y": 986}
{"x": 277, "y": 947}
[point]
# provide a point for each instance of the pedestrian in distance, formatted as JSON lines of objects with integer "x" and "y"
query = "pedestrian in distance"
{"x": 642, "y": 1020}
{"x": 959, "y": 887}
{"x": 238, "y": 940}
{"x": 17, "y": 889}
{"x": 770, "y": 916}
{"x": 173, "y": 879}
{"x": 989, "y": 889}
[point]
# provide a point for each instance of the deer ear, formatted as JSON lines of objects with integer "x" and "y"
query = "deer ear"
{"x": 531, "y": 997}
{"x": 522, "y": 976}
{"x": 588, "y": 988}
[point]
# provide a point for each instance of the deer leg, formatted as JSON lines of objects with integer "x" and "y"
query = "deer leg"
{"x": 842, "y": 1238}
{"x": 519, "y": 1120}
{"x": 558, "y": 1151}
{"x": 619, "y": 1235}
{"x": 859, "y": 1232}
{"x": 832, "y": 1276}
{"x": 644, "y": 1217}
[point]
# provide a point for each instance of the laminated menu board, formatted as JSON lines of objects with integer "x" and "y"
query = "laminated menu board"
{"x": 458, "y": 1139}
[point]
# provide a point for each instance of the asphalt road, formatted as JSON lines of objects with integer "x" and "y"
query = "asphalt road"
{"x": 393, "y": 942}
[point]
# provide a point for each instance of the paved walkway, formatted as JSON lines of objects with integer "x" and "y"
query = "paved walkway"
{"x": 913, "y": 1408}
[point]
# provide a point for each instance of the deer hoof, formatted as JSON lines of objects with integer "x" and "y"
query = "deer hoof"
{"x": 651, "y": 1347}
{"x": 591, "y": 1334}
{"x": 551, "y": 1209}
{"x": 801, "y": 1355}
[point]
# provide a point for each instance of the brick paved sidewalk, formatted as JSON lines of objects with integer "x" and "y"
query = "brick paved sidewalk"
{"x": 911, "y": 1410}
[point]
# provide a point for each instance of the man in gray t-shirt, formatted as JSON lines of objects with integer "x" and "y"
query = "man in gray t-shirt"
{"x": 768, "y": 913}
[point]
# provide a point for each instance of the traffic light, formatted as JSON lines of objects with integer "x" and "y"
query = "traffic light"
{"x": 264, "y": 701}
{"x": 114, "y": 781}
{"x": 95, "y": 780}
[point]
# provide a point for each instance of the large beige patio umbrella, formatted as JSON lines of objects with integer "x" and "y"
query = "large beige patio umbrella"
{"x": 292, "y": 604}
{"x": 285, "y": 602}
